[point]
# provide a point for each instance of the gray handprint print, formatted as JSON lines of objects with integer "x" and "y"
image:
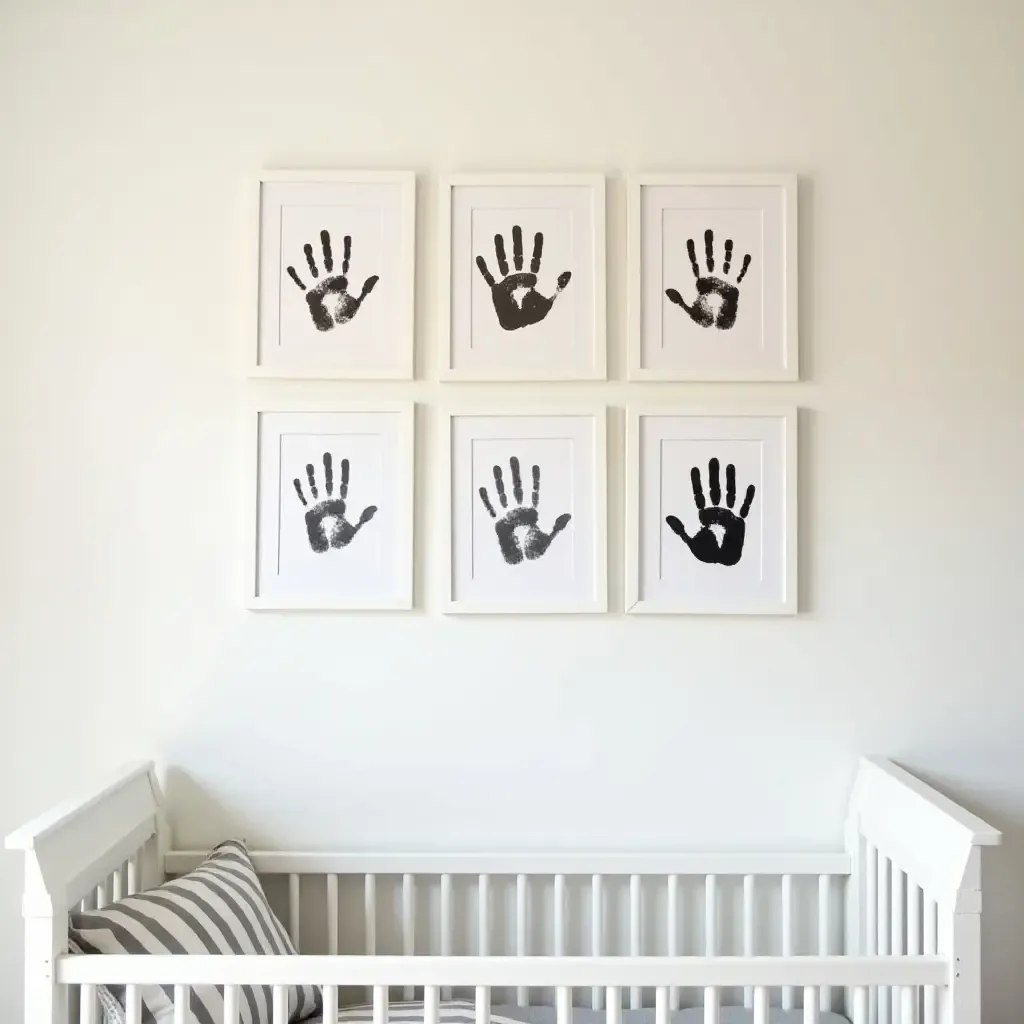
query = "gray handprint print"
{"x": 329, "y": 301}
{"x": 718, "y": 299}
{"x": 330, "y": 509}
{"x": 533, "y": 541}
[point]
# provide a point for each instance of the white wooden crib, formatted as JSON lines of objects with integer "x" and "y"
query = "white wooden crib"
{"x": 886, "y": 931}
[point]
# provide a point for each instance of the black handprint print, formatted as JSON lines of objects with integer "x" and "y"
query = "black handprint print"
{"x": 329, "y": 301}
{"x": 704, "y": 545}
{"x": 516, "y": 299}
{"x": 342, "y": 531}
{"x": 717, "y": 300}
{"x": 535, "y": 542}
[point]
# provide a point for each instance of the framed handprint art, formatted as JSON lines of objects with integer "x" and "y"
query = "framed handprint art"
{"x": 522, "y": 287}
{"x": 332, "y": 507}
{"x": 711, "y": 510}
{"x": 335, "y": 274}
{"x": 712, "y": 263}
{"x": 527, "y": 523}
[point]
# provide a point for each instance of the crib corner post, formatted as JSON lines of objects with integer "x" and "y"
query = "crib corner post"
{"x": 46, "y": 938}
{"x": 960, "y": 940}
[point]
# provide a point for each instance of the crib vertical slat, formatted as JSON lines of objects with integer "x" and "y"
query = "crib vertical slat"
{"x": 380, "y": 1004}
{"x": 87, "y": 1004}
{"x": 673, "y": 934}
{"x": 294, "y": 897}
{"x": 748, "y": 933}
{"x": 596, "y": 923}
{"x": 132, "y": 1004}
{"x": 370, "y": 920}
{"x": 871, "y": 922}
{"x": 913, "y": 918}
{"x": 101, "y": 895}
{"x": 181, "y": 1007}
{"x": 563, "y": 1006}
{"x": 896, "y": 935}
{"x": 409, "y": 924}
{"x": 332, "y": 914}
{"x": 787, "y": 934}
{"x": 559, "y": 915}
{"x": 230, "y": 1004}
{"x": 661, "y": 1005}
{"x": 883, "y": 932}
{"x": 931, "y": 945}
{"x": 280, "y": 1015}
{"x": 614, "y": 1003}
{"x": 860, "y": 1005}
{"x": 446, "y": 924}
{"x": 635, "y": 902}
{"x": 117, "y": 884}
{"x": 330, "y": 1003}
{"x": 760, "y": 1005}
{"x": 431, "y": 1005}
{"x": 483, "y": 1005}
{"x": 824, "y": 927}
{"x": 908, "y": 1005}
{"x": 710, "y": 915}
{"x": 712, "y": 1005}
{"x": 133, "y": 874}
{"x": 811, "y": 1007}
{"x": 522, "y": 993}
{"x": 483, "y": 914}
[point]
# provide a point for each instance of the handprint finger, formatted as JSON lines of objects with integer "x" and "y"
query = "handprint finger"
{"x": 538, "y": 248}
{"x": 560, "y": 524}
{"x": 517, "y": 247}
{"x": 343, "y": 490}
{"x": 517, "y": 481}
{"x": 743, "y": 269}
{"x": 312, "y": 480}
{"x": 328, "y": 474}
{"x": 298, "y": 491}
{"x": 346, "y": 255}
{"x": 310, "y": 262}
{"x": 745, "y": 507}
{"x": 295, "y": 278}
{"x": 730, "y": 485}
{"x": 728, "y": 256}
{"x": 714, "y": 483}
{"x": 487, "y": 503}
{"x": 692, "y": 251}
{"x": 698, "y": 489}
{"x": 499, "y": 252}
{"x": 481, "y": 264}
{"x": 709, "y": 249}
{"x": 325, "y": 242}
{"x": 535, "y": 497}
{"x": 499, "y": 486}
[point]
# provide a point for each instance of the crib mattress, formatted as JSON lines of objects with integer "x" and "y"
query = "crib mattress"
{"x": 463, "y": 1012}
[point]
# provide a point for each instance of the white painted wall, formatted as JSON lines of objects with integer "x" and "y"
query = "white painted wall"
{"x": 127, "y": 132}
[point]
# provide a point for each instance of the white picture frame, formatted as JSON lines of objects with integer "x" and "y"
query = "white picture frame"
{"x": 718, "y": 307}
{"x": 308, "y": 460}
{"x": 553, "y": 460}
{"x": 309, "y": 320}
{"x": 546, "y": 231}
{"x": 741, "y": 560}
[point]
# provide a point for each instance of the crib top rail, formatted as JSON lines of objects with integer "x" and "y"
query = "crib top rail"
{"x": 507, "y": 971}
{"x": 269, "y": 862}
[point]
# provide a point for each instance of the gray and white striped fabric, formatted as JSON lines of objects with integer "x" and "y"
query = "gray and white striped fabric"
{"x": 454, "y": 1011}
{"x": 218, "y": 908}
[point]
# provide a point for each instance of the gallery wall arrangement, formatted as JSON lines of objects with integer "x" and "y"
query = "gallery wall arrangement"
{"x": 711, "y": 494}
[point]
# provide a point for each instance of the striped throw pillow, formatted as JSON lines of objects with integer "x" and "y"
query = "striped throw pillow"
{"x": 218, "y": 908}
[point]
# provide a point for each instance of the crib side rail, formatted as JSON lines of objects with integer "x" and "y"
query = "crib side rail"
{"x": 431, "y": 976}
